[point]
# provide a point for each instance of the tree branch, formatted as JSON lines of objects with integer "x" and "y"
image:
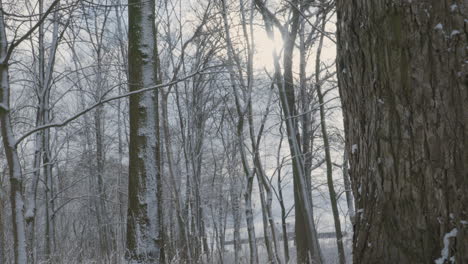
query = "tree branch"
{"x": 30, "y": 31}
{"x": 103, "y": 101}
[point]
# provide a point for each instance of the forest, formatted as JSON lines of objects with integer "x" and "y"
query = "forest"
{"x": 233, "y": 131}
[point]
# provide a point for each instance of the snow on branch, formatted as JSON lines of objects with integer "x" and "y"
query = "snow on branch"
{"x": 103, "y": 100}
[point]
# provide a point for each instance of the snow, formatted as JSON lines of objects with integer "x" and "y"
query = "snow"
{"x": 454, "y": 33}
{"x": 445, "y": 251}
{"x": 20, "y": 226}
{"x": 439, "y": 27}
{"x": 3, "y": 107}
{"x": 354, "y": 148}
{"x": 29, "y": 213}
{"x": 453, "y": 7}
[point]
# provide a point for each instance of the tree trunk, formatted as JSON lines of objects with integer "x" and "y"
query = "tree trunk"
{"x": 236, "y": 216}
{"x": 403, "y": 84}
{"x": 308, "y": 249}
{"x": 143, "y": 230}
{"x": 11, "y": 153}
{"x": 240, "y": 110}
{"x": 3, "y": 254}
{"x": 284, "y": 214}
{"x": 326, "y": 145}
{"x": 184, "y": 240}
{"x": 266, "y": 233}
{"x": 347, "y": 186}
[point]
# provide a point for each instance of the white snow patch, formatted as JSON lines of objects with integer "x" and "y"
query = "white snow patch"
{"x": 354, "y": 148}
{"x": 29, "y": 213}
{"x": 3, "y": 107}
{"x": 454, "y": 33}
{"x": 445, "y": 251}
{"x": 439, "y": 27}
{"x": 453, "y": 7}
{"x": 380, "y": 101}
{"x": 427, "y": 12}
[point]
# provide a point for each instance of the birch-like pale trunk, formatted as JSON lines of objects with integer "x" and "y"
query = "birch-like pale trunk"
{"x": 143, "y": 227}
{"x": 11, "y": 153}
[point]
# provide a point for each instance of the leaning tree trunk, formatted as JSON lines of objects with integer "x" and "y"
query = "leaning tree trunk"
{"x": 403, "y": 81}
{"x": 143, "y": 230}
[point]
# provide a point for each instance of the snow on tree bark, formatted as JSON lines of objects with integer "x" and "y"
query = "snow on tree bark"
{"x": 143, "y": 230}
{"x": 403, "y": 81}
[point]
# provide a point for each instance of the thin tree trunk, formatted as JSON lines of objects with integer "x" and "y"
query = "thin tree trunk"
{"x": 347, "y": 185}
{"x": 240, "y": 137}
{"x": 120, "y": 143}
{"x": 250, "y": 223}
{"x": 266, "y": 233}
{"x": 185, "y": 240}
{"x": 307, "y": 245}
{"x": 235, "y": 204}
{"x": 11, "y": 153}
{"x": 3, "y": 254}
{"x": 326, "y": 144}
{"x": 45, "y": 70}
{"x": 284, "y": 226}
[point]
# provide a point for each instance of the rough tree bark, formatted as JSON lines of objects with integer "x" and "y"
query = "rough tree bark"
{"x": 143, "y": 230}
{"x": 403, "y": 81}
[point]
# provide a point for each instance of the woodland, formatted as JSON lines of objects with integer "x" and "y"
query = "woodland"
{"x": 233, "y": 131}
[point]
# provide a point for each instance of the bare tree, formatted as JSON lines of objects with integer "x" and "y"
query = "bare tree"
{"x": 326, "y": 143}
{"x": 306, "y": 234}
